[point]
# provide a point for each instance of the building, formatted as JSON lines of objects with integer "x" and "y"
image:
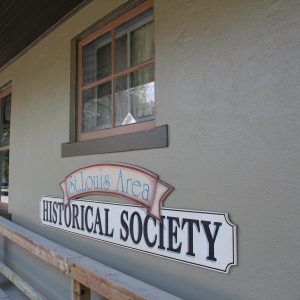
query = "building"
{"x": 205, "y": 94}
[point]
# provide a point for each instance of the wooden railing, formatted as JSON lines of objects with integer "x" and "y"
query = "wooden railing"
{"x": 86, "y": 274}
{"x": 28, "y": 290}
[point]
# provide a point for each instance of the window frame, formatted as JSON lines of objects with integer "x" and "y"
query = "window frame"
{"x": 5, "y": 91}
{"x": 110, "y": 27}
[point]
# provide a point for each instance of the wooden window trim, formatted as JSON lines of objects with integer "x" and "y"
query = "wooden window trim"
{"x": 5, "y": 91}
{"x": 119, "y": 74}
{"x": 143, "y": 126}
{"x": 3, "y": 148}
{"x": 3, "y": 207}
{"x": 124, "y": 129}
{"x": 118, "y": 21}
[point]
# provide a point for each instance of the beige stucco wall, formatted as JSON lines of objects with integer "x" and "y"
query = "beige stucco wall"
{"x": 227, "y": 84}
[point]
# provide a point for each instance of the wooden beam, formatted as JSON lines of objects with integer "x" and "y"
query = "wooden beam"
{"x": 104, "y": 280}
{"x": 80, "y": 291}
{"x": 23, "y": 286}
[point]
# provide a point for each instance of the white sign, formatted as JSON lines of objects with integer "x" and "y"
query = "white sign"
{"x": 203, "y": 239}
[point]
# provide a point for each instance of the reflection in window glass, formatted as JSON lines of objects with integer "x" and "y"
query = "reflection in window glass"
{"x": 6, "y": 109}
{"x": 97, "y": 107}
{"x": 4, "y": 136}
{"x": 5, "y": 104}
{"x": 4, "y": 172}
{"x": 97, "y": 59}
{"x": 5, "y": 121}
{"x": 122, "y": 98}
{"x": 121, "y": 53}
{"x": 135, "y": 97}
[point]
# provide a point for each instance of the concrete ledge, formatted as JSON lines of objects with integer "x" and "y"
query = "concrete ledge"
{"x": 149, "y": 139}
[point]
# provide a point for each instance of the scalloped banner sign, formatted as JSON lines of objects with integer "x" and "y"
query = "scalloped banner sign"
{"x": 123, "y": 180}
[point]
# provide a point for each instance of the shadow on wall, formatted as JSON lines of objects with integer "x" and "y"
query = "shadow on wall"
{"x": 204, "y": 293}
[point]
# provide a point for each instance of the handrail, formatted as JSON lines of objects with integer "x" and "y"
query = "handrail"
{"x": 85, "y": 272}
{"x": 23, "y": 286}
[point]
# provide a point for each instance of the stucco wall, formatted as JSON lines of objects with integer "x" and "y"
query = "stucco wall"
{"x": 227, "y": 84}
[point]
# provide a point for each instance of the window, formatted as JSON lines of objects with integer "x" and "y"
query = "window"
{"x": 116, "y": 76}
{"x": 5, "y": 103}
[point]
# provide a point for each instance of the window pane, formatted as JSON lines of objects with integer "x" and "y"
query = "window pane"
{"x": 135, "y": 41}
{"x": 4, "y": 172}
{"x": 4, "y": 136}
{"x": 135, "y": 97}
{"x": 97, "y": 59}
{"x": 122, "y": 99}
{"x": 142, "y": 44}
{"x": 121, "y": 53}
{"x": 96, "y": 113}
{"x": 5, "y": 121}
{"x": 6, "y": 109}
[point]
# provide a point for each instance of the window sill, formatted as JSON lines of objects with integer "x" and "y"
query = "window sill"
{"x": 149, "y": 139}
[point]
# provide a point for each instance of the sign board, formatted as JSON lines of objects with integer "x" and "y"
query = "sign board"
{"x": 202, "y": 239}
{"x": 123, "y": 180}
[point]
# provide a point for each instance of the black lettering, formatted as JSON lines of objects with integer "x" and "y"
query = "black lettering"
{"x": 173, "y": 234}
{"x": 148, "y": 242}
{"x": 139, "y": 227}
{"x": 106, "y": 224}
{"x": 190, "y": 223}
{"x": 88, "y": 208}
{"x": 161, "y": 234}
{"x": 67, "y": 220}
{"x": 124, "y": 225}
{"x": 75, "y": 216}
{"x": 211, "y": 239}
{"x": 98, "y": 222}
{"x": 54, "y": 212}
{"x": 82, "y": 216}
{"x": 60, "y": 206}
{"x": 50, "y": 211}
{"x": 45, "y": 210}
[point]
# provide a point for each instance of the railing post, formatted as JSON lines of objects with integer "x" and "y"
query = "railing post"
{"x": 80, "y": 291}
